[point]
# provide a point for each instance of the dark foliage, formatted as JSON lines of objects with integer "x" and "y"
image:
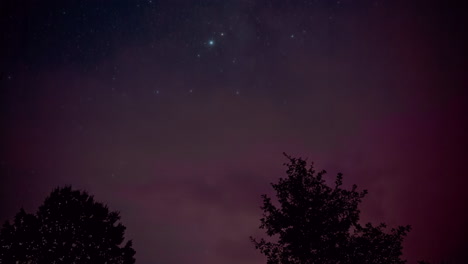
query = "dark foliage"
{"x": 70, "y": 227}
{"x": 314, "y": 223}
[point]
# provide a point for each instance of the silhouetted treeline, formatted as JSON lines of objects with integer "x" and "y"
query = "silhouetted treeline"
{"x": 315, "y": 223}
{"x": 70, "y": 227}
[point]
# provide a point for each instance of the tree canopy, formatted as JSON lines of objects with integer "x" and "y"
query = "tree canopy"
{"x": 69, "y": 227}
{"x": 311, "y": 222}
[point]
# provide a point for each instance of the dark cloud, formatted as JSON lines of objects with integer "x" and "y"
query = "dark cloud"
{"x": 183, "y": 138}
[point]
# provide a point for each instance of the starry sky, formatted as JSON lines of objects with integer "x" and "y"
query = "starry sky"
{"x": 176, "y": 113}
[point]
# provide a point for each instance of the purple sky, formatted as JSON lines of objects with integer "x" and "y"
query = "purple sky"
{"x": 129, "y": 101}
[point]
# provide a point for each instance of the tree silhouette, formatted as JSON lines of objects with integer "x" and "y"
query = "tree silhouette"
{"x": 70, "y": 227}
{"x": 314, "y": 223}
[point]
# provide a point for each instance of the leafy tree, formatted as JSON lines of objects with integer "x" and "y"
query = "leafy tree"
{"x": 314, "y": 223}
{"x": 70, "y": 227}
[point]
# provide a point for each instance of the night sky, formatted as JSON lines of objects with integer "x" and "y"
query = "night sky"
{"x": 176, "y": 113}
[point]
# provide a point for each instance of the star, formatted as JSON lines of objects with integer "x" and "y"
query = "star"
{"x": 211, "y": 42}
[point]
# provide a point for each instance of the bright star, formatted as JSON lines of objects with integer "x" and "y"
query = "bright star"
{"x": 211, "y": 42}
